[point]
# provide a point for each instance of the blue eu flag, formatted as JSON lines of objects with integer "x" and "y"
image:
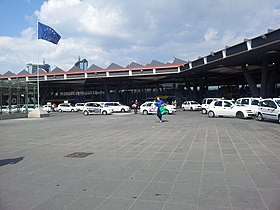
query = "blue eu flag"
{"x": 47, "y": 33}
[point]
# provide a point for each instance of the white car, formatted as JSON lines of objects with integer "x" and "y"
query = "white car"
{"x": 150, "y": 107}
{"x": 66, "y": 107}
{"x": 228, "y": 109}
{"x": 4, "y": 110}
{"x": 191, "y": 105}
{"x": 30, "y": 107}
{"x": 251, "y": 103}
{"x": 47, "y": 108}
{"x": 116, "y": 106}
{"x": 95, "y": 108}
{"x": 205, "y": 104}
{"x": 269, "y": 109}
{"x": 80, "y": 106}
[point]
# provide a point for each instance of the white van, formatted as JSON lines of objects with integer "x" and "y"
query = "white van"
{"x": 116, "y": 106}
{"x": 269, "y": 109}
{"x": 205, "y": 104}
{"x": 251, "y": 103}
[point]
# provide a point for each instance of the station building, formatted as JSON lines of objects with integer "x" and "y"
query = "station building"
{"x": 249, "y": 68}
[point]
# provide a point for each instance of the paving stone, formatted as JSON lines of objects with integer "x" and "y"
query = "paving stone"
{"x": 86, "y": 203}
{"x": 130, "y": 190}
{"x": 266, "y": 181}
{"x": 144, "y": 174}
{"x": 192, "y": 166}
{"x": 179, "y": 206}
{"x": 271, "y": 198}
{"x": 186, "y": 193}
{"x": 165, "y": 176}
{"x": 147, "y": 205}
{"x": 115, "y": 204}
{"x": 193, "y": 177}
{"x": 238, "y": 179}
{"x": 156, "y": 192}
{"x": 213, "y": 166}
{"x": 246, "y": 198}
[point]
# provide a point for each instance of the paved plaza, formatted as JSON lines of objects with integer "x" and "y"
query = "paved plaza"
{"x": 124, "y": 161}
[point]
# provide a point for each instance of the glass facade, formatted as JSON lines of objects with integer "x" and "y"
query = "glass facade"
{"x": 16, "y": 98}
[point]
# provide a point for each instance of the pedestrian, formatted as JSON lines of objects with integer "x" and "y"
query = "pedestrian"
{"x": 159, "y": 103}
{"x": 135, "y": 106}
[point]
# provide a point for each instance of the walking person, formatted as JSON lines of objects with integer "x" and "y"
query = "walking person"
{"x": 159, "y": 103}
{"x": 135, "y": 106}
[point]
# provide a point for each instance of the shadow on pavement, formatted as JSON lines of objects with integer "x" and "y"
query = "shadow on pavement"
{"x": 10, "y": 161}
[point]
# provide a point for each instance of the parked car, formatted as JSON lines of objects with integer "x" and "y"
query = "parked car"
{"x": 116, "y": 106}
{"x": 191, "y": 105}
{"x": 150, "y": 107}
{"x": 10, "y": 110}
{"x": 95, "y": 108}
{"x": 80, "y": 106}
{"x": 269, "y": 109}
{"x": 4, "y": 110}
{"x": 47, "y": 108}
{"x": 251, "y": 103}
{"x": 30, "y": 107}
{"x": 66, "y": 107}
{"x": 205, "y": 104}
{"x": 228, "y": 109}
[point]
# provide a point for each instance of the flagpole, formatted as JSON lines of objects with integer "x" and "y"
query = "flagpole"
{"x": 38, "y": 84}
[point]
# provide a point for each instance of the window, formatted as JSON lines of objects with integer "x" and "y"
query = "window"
{"x": 218, "y": 103}
{"x": 272, "y": 104}
{"x": 264, "y": 103}
{"x": 255, "y": 102}
{"x": 278, "y": 102}
{"x": 245, "y": 101}
{"x": 209, "y": 101}
{"x": 90, "y": 104}
{"x": 227, "y": 104}
{"x": 204, "y": 101}
{"x": 238, "y": 101}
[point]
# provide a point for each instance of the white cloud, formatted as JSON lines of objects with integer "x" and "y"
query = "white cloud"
{"x": 122, "y": 31}
{"x": 210, "y": 34}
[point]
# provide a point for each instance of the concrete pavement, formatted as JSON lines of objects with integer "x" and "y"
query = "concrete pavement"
{"x": 127, "y": 161}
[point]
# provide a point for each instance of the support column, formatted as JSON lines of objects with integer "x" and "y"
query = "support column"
{"x": 252, "y": 85}
{"x": 195, "y": 92}
{"x": 189, "y": 90}
{"x": 272, "y": 79}
{"x": 264, "y": 78}
{"x": 106, "y": 92}
{"x": 203, "y": 88}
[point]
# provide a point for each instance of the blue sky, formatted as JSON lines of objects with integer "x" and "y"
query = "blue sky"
{"x": 123, "y": 31}
{"x": 14, "y": 15}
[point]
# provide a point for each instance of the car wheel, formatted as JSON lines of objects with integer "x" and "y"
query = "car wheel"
{"x": 86, "y": 113}
{"x": 72, "y": 110}
{"x": 260, "y": 117}
{"x": 60, "y": 110}
{"x": 240, "y": 115}
{"x": 122, "y": 110}
{"x": 191, "y": 109}
{"x": 145, "y": 112}
{"x": 203, "y": 111}
{"x": 211, "y": 114}
{"x": 104, "y": 113}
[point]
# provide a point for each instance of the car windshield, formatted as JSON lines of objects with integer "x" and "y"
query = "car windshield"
{"x": 278, "y": 102}
{"x": 194, "y": 102}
